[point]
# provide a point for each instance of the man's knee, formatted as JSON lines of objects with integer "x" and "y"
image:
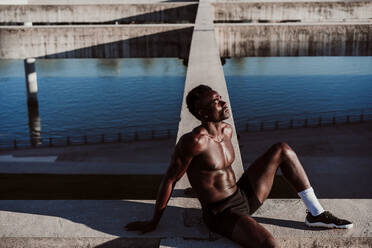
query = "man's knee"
{"x": 283, "y": 148}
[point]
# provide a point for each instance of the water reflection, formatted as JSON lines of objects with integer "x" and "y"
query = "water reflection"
{"x": 109, "y": 65}
{"x": 147, "y": 64}
{"x": 34, "y": 124}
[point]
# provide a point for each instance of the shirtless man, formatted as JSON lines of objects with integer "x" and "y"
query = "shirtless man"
{"x": 206, "y": 155}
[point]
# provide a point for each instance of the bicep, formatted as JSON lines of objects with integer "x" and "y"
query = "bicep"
{"x": 182, "y": 156}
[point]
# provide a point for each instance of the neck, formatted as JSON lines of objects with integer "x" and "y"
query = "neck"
{"x": 214, "y": 128}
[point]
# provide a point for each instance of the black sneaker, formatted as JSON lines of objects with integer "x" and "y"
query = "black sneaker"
{"x": 326, "y": 219}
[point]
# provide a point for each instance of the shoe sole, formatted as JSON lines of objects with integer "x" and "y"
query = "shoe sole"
{"x": 332, "y": 225}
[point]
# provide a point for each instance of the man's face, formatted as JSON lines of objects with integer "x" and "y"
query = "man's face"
{"x": 212, "y": 108}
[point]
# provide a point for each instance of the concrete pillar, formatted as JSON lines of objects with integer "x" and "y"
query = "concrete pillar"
{"x": 205, "y": 67}
{"x": 34, "y": 123}
{"x": 31, "y": 81}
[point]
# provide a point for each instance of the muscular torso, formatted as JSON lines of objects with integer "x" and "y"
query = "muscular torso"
{"x": 210, "y": 173}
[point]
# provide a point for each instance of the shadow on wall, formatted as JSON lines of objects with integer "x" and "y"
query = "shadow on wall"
{"x": 173, "y": 43}
{"x": 164, "y": 44}
{"x": 183, "y": 14}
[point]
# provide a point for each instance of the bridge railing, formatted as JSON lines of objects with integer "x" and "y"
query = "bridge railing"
{"x": 169, "y": 130}
{"x": 304, "y": 120}
{"x": 89, "y": 136}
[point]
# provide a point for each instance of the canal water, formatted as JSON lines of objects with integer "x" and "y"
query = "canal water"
{"x": 96, "y": 96}
{"x": 285, "y": 88}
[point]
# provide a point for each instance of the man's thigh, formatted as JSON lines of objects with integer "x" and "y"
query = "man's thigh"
{"x": 248, "y": 233}
{"x": 261, "y": 172}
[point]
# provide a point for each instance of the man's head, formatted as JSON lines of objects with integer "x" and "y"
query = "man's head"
{"x": 206, "y": 104}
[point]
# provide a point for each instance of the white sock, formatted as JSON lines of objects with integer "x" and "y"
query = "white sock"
{"x": 311, "y": 202}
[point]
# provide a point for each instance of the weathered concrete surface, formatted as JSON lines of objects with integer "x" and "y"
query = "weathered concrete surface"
{"x": 185, "y": 12}
{"x": 66, "y": 223}
{"x": 93, "y": 2}
{"x": 122, "y": 41}
{"x": 319, "y": 11}
{"x": 205, "y": 67}
{"x": 104, "y": 41}
{"x": 295, "y": 39}
{"x": 68, "y": 220}
{"x": 79, "y": 242}
{"x": 100, "y": 13}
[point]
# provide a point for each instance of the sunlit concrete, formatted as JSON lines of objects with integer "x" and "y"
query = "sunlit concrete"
{"x": 205, "y": 67}
{"x": 165, "y": 12}
{"x": 87, "y": 223}
{"x": 276, "y": 11}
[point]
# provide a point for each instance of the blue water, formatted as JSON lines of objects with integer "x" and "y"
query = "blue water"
{"x": 91, "y": 96}
{"x": 87, "y": 97}
{"x": 283, "y": 88}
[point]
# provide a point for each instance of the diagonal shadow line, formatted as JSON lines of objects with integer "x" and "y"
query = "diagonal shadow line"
{"x": 172, "y": 43}
{"x": 183, "y": 14}
{"x": 107, "y": 216}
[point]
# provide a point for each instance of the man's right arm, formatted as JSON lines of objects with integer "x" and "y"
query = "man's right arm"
{"x": 187, "y": 148}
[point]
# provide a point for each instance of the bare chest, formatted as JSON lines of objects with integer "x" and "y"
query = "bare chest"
{"x": 219, "y": 155}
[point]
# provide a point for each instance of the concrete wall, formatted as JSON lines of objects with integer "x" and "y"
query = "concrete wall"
{"x": 7, "y": 2}
{"x": 123, "y": 13}
{"x": 305, "y": 11}
{"x": 120, "y": 41}
{"x": 294, "y": 40}
{"x": 104, "y": 41}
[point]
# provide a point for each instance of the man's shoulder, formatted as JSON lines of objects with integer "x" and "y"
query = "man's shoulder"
{"x": 227, "y": 129}
{"x": 197, "y": 137}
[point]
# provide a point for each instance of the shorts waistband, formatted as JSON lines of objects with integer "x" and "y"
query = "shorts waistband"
{"x": 220, "y": 205}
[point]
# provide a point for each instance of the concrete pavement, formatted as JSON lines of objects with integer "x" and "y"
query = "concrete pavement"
{"x": 65, "y": 222}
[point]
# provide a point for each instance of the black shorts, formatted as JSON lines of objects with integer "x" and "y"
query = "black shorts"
{"x": 221, "y": 217}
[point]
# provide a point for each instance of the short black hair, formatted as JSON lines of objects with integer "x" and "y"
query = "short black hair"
{"x": 195, "y": 95}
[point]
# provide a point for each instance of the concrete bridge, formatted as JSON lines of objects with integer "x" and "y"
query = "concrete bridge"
{"x": 200, "y": 32}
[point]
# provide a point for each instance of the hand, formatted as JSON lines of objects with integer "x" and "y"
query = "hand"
{"x": 142, "y": 226}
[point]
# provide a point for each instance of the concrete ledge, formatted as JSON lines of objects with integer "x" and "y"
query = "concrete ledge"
{"x": 91, "y": 222}
{"x": 79, "y": 242}
{"x": 96, "y": 41}
{"x": 315, "y": 11}
{"x": 161, "y": 12}
{"x": 295, "y": 39}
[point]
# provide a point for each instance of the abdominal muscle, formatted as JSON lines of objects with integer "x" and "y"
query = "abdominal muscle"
{"x": 212, "y": 185}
